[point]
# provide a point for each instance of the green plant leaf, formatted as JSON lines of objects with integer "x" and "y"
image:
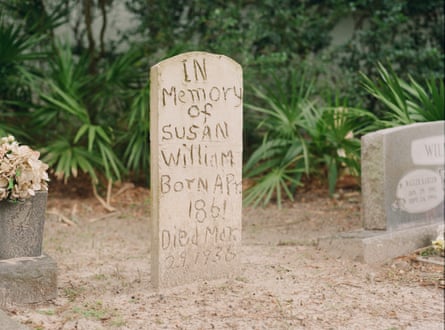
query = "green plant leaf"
{"x": 81, "y": 132}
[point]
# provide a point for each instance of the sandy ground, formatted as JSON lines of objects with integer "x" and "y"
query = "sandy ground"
{"x": 285, "y": 282}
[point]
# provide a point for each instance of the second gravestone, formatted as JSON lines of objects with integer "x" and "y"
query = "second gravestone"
{"x": 196, "y": 110}
{"x": 402, "y": 194}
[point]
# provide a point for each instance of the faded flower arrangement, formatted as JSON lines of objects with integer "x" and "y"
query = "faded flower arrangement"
{"x": 21, "y": 171}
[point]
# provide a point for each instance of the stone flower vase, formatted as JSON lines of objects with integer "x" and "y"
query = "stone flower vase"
{"x": 21, "y": 226}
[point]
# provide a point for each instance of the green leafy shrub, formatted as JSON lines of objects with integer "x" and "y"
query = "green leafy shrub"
{"x": 406, "y": 102}
{"x": 137, "y": 137}
{"x": 80, "y": 105}
{"x": 86, "y": 104}
{"x": 301, "y": 136}
{"x": 334, "y": 140}
{"x": 408, "y": 34}
{"x": 73, "y": 141}
{"x": 17, "y": 53}
{"x": 283, "y": 155}
{"x": 83, "y": 117}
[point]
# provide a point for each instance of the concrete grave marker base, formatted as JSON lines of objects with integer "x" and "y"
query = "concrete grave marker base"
{"x": 29, "y": 280}
{"x": 376, "y": 246}
{"x": 7, "y": 323}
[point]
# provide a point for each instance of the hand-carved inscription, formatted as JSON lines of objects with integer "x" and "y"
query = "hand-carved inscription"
{"x": 172, "y": 96}
{"x": 200, "y": 210}
{"x": 198, "y": 69}
{"x": 218, "y": 234}
{"x": 178, "y": 238}
{"x": 197, "y": 158}
{"x": 197, "y": 235}
{"x": 226, "y": 184}
{"x": 217, "y": 132}
{"x": 206, "y": 256}
{"x": 189, "y": 155}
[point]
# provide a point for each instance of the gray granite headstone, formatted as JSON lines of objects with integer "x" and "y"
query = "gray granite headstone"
{"x": 402, "y": 194}
{"x": 403, "y": 177}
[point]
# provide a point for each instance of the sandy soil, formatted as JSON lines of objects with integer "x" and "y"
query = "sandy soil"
{"x": 286, "y": 281}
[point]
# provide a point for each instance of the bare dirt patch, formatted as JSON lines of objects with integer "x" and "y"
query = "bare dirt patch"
{"x": 286, "y": 281}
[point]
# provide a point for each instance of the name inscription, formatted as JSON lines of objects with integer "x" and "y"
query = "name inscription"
{"x": 428, "y": 151}
{"x": 419, "y": 191}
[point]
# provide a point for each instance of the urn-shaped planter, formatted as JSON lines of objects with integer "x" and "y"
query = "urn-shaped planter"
{"x": 21, "y": 226}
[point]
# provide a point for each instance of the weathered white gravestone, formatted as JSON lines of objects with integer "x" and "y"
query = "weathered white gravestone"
{"x": 196, "y": 163}
{"x": 402, "y": 193}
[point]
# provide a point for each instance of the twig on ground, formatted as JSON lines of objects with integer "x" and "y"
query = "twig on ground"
{"x": 106, "y": 205}
{"x": 431, "y": 261}
{"x": 349, "y": 284}
{"x": 74, "y": 210}
{"x": 124, "y": 188}
{"x": 62, "y": 218}
{"x": 109, "y": 215}
{"x": 110, "y": 185}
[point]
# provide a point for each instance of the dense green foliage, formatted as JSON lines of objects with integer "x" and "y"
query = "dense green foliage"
{"x": 84, "y": 102}
{"x": 405, "y": 34}
{"x": 407, "y": 102}
{"x": 302, "y": 135}
{"x": 86, "y": 112}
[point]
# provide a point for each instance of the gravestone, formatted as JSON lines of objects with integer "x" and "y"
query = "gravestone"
{"x": 402, "y": 193}
{"x": 196, "y": 109}
{"x": 402, "y": 176}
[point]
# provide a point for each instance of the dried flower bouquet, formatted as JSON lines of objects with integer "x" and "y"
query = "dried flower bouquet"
{"x": 21, "y": 171}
